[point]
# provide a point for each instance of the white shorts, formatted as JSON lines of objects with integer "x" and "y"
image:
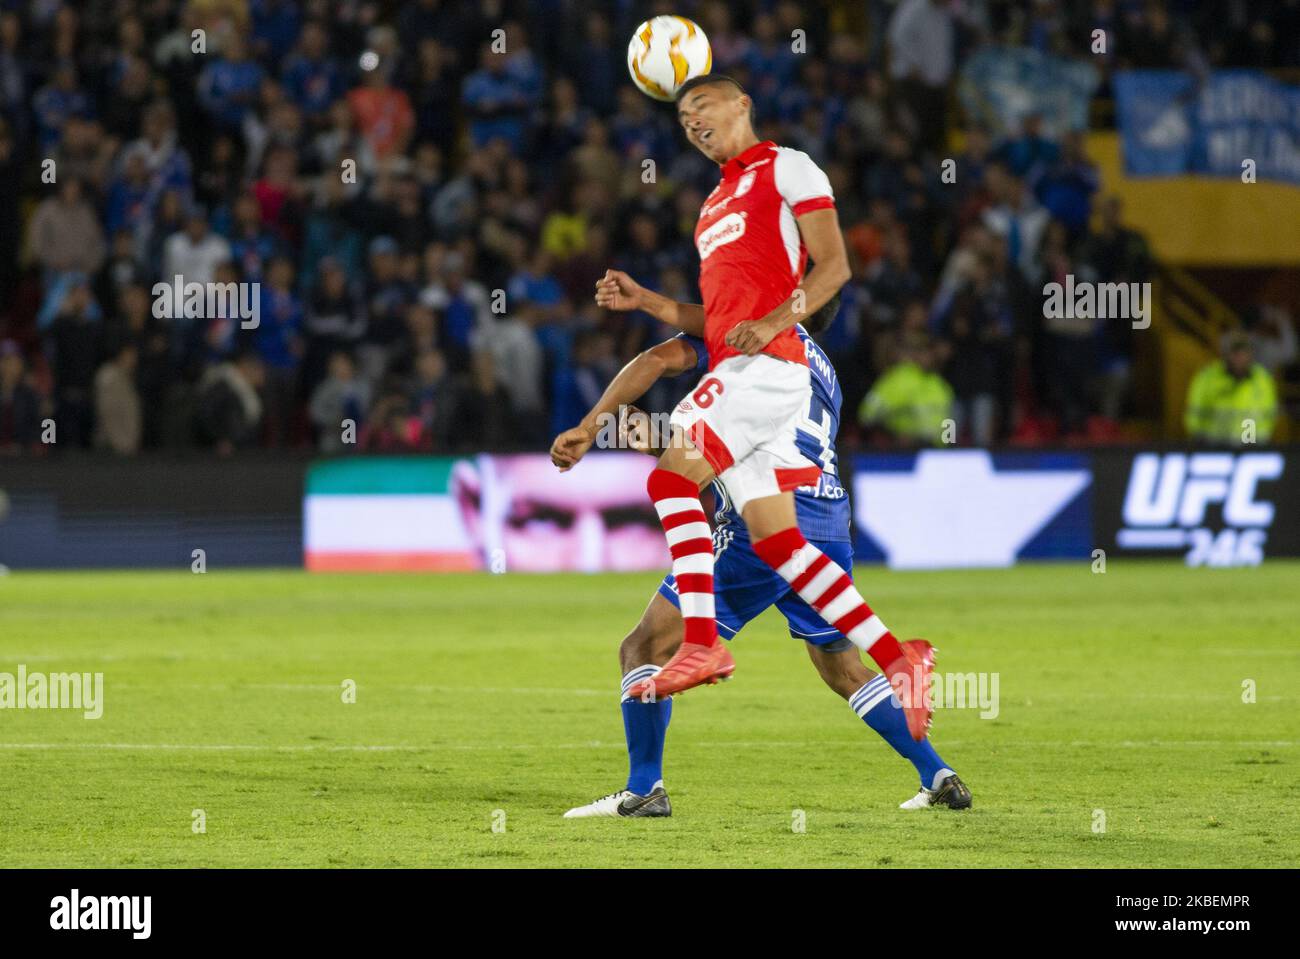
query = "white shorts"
{"x": 742, "y": 417}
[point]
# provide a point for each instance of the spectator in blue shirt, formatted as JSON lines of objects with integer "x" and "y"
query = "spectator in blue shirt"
{"x": 279, "y": 330}
{"x": 311, "y": 78}
{"x": 771, "y": 64}
{"x": 275, "y": 27}
{"x": 251, "y": 244}
{"x": 536, "y": 283}
{"x": 597, "y": 65}
{"x": 639, "y": 131}
{"x": 1029, "y": 154}
{"x": 278, "y": 339}
{"x": 229, "y": 86}
{"x": 499, "y": 95}
{"x": 168, "y": 162}
{"x": 578, "y": 385}
{"x": 127, "y": 206}
{"x": 55, "y": 102}
{"x": 1066, "y": 187}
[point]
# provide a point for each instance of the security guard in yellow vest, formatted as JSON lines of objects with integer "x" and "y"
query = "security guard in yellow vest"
{"x": 1233, "y": 401}
{"x": 910, "y": 399}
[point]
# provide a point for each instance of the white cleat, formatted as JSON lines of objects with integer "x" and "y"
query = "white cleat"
{"x": 625, "y": 804}
{"x": 922, "y": 800}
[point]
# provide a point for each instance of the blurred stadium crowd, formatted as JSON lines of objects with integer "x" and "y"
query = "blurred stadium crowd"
{"x": 524, "y": 171}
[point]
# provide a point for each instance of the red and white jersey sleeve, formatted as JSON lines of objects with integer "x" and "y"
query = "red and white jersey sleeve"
{"x": 801, "y": 182}
{"x": 751, "y": 253}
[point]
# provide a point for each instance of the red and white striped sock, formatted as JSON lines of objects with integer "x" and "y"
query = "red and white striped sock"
{"x": 677, "y": 501}
{"x": 827, "y": 588}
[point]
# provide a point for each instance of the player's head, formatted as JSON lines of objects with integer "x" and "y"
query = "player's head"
{"x": 822, "y": 317}
{"x": 717, "y": 115}
{"x": 1238, "y": 355}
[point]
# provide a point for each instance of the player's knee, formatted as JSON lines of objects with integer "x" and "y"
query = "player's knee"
{"x": 662, "y": 484}
{"x": 637, "y": 647}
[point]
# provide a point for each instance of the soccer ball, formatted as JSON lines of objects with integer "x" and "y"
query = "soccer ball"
{"x": 665, "y": 52}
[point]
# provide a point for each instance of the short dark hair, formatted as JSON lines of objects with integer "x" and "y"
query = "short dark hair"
{"x": 712, "y": 79}
{"x": 822, "y": 317}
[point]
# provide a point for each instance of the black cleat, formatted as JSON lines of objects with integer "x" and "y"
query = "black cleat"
{"x": 626, "y": 804}
{"x": 952, "y": 792}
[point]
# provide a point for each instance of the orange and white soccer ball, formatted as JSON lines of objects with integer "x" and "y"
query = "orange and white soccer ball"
{"x": 665, "y": 52}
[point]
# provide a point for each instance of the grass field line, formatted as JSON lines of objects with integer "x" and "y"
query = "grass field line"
{"x": 413, "y": 687}
{"x": 598, "y": 744}
{"x": 572, "y": 691}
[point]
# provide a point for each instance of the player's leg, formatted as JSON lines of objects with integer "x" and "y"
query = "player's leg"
{"x": 645, "y": 719}
{"x": 839, "y": 663}
{"x": 830, "y": 591}
{"x": 674, "y": 488}
{"x": 744, "y": 591}
{"x": 718, "y": 426}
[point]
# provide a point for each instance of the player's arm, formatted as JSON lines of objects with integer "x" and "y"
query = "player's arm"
{"x": 821, "y": 234}
{"x": 669, "y": 358}
{"x": 618, "y": 291}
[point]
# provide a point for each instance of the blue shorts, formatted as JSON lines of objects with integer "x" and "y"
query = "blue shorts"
{"x": 744, "y": 586}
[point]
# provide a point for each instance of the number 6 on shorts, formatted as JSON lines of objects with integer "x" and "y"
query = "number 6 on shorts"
{"x": 704, "y": 395}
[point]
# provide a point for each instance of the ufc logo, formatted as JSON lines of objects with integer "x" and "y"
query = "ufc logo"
{"x": 704, "y": 395}
{"x": 1176, "y": 489}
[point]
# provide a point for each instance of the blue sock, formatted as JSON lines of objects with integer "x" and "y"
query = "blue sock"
{"x": 645, "y": 725}
{"x": 876, "y": 703}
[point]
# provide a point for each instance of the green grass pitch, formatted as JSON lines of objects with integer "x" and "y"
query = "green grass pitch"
{"x": 487, "y": 700}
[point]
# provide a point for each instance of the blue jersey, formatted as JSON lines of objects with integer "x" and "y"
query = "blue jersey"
{"x": 823, "y": 510}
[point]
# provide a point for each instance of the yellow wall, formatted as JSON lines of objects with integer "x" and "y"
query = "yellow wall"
{"x": 1198, "y": 221}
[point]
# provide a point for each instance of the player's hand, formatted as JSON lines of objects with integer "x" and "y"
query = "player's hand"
{"x": 751, "y": 336}
{"x": 571, "y": 446}
{"x": 618, "y": 291}
{"x": 634, "y": 430}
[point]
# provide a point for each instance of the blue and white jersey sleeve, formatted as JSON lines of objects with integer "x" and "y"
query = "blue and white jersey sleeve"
{"x": 701, "y": 351}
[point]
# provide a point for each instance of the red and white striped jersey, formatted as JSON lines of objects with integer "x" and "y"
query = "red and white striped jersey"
{"x": 751, "y": 254}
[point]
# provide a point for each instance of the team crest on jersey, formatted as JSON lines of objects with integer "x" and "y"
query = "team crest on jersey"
{"x": 709, "y": 209}
{"x": 744, "y": 184}
{"x": 727, "y": 230}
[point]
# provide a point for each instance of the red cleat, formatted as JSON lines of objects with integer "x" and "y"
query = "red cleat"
{"x": 911, "y": 676}
{"x": 692, "y": 665}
